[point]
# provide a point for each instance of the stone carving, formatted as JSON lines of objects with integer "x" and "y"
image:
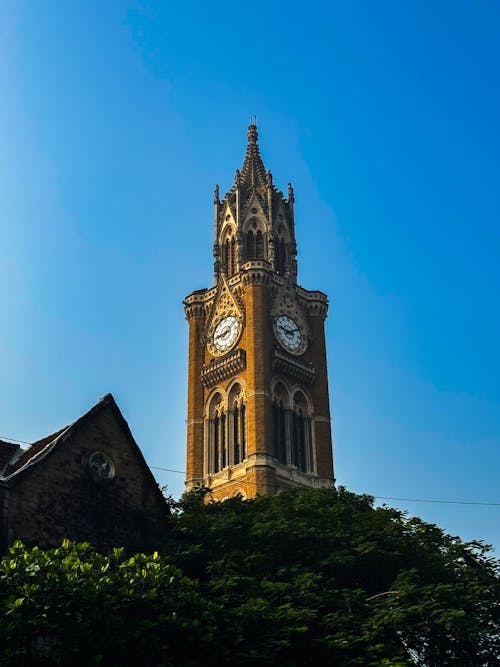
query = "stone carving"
{"x": 225, "y": 305}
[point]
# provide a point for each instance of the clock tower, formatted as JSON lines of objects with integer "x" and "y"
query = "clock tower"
{"x": 258, "y": 408}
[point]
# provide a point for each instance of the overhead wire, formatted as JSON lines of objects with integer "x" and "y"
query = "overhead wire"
{"x": 409, "y": 500}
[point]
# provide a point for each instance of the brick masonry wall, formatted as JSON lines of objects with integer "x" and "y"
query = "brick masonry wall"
{"x": 56, "y": 498}
{"x": 258, "y": 341}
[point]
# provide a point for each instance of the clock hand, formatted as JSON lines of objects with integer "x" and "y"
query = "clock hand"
{"x": 223, "y": 333}
{"x": 288, "y": 332}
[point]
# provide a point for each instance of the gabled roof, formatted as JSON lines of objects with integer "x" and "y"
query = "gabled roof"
{"x": 22, "y": 460}
{"x": 26, "y": 455}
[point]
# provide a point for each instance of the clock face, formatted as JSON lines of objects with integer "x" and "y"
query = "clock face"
{"x": 288, "y": 333}
{"x": 226, "y": 333}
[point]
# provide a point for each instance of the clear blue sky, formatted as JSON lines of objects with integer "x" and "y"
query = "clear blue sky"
{"x": 116, "y": 121}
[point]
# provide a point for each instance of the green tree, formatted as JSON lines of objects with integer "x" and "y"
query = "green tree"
{"x": 312, "y": 576}
{"x": 73, "y": 606}
{"x": 303, "y": 578}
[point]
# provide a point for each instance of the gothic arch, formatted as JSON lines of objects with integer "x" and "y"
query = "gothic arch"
{"x": 227, "y": 229}
{"x": 225, "y": 426}
{"x": 279, "y": 385}
{"x": 215, "y": 432}
{"x": 303, "y": 396}
{"x": 254, "y": 223}
{"x": 236, "y": 381}
{"x": 284, "y": 232}
{"x": 281, "y": 409}
{"x": 229, "y": 250}
{"x": 254, "y": 234}
{"x": 215, "y": 397}
{"x": 282, "y": 250}
{"x": 301, "y": 449}
{"x": 236, "y": 425}
{"x": 292, "y": 427}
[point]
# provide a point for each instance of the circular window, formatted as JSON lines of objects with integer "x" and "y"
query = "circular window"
{"x": 101, "y": 467}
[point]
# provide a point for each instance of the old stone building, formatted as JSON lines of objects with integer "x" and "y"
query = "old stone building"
{"x": 88, "y": 481}
{"x": 258, "y": 407}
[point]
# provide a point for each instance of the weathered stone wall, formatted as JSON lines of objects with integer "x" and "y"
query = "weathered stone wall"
{"x": 57, "y": 498}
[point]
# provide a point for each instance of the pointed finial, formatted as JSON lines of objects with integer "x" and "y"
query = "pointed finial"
{"x": 252, "y": 133}
{"x": 291, "y": 196}
{"x": 216, "y": 195}
{"x": 269, "y": 178}
{"x": 237, "y": 177}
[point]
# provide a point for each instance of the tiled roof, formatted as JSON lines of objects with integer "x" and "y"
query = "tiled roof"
{"x": 29, "y": 453}
{"x": 22, "y": 460}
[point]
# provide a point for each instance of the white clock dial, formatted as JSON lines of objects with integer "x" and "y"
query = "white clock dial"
{"x": 226, "y": 333}
{"x": 288, "y": 333}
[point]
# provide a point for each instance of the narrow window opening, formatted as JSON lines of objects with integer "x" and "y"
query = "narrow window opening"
{"x": 223, "y": 440}
{"x": 259, "y": 245}
{"x": 295, "y": 439}
{"x": 250, "y": 245}
{"x": 226, "y": 258}
{"x": 243, "y": 441}
{"x": 216, "y": 445}
{"x": 232, "y": 257}
{"x": 301, "y": 442}
{"x": 236, "y": 436}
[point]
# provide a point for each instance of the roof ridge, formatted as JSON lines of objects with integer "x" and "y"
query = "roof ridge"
{"x": 39, "y": 448}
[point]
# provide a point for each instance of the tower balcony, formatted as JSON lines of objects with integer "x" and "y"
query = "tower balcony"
{"x": 223, "y": 368}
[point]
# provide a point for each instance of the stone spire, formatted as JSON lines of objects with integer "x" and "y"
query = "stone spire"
{"x": 253, "y": 172}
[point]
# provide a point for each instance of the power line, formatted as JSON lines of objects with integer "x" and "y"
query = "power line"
{"x": 182, "y": 472}
{"x": 408, "y": 500}
{"x": 411, "y": 500}
{"x": 447, "y": 502}
{"x": 21, "y": 442}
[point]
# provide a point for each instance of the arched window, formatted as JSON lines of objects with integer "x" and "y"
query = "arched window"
{"x": 259, "y": 245}
{"x": 215, "y": 454}
{"x": 232, "y": 257}
{"x": 223, "y": 441}
{"x": 215, "y": 432}
{"x": 280, "y": 256}
{"x": 243, "y": 432}
{"x": 301, "y": 445}
{"x": 237, "y": 430}
{"x": 229, "y": 256}
{"x": 292, "y": 430}
{"x": 280, "y": 424}
{"x": 236, "y": 435}
{"x": 225, "y": 425}
{"x": 254, "y": 242}
{"x": 250, "y": 249}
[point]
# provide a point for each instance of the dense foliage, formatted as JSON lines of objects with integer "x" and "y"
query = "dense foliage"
{"x": 303, "y": 578}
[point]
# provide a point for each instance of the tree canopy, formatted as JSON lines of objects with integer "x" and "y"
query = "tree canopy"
{"x": 302, "y": 578}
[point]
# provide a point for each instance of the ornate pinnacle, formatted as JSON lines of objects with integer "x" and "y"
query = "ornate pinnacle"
{"x": 253, "y": 172}
{"x": 252, "y": 133}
